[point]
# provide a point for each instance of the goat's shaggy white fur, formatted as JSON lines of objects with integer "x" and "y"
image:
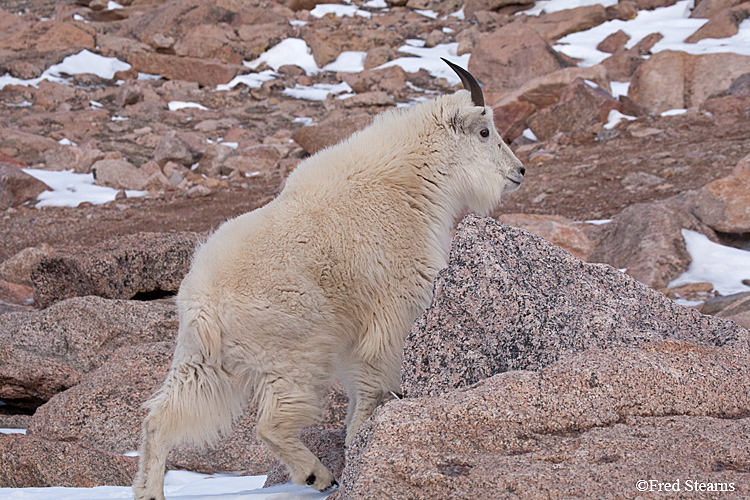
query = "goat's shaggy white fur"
{"x": 324, "y": 281}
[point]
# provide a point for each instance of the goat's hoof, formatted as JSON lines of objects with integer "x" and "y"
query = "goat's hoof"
{"x": 331, "y": 488}
{"x": 321, "y": 480}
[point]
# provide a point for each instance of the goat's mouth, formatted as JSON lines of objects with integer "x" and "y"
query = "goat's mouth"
{"x": 516, "y": 181}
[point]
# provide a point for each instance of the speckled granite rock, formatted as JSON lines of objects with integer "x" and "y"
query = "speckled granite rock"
{"x": 103, "y": 411}
{"x": 116, "y": 269}
{"x": 509, "y": 300}
{"x": 46, "y": 352}
{"x": 27, "y": 462}
{"x": 589, "y": 426}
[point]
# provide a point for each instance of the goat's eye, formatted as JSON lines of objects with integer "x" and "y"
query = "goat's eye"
{"x": 485, "y": 132}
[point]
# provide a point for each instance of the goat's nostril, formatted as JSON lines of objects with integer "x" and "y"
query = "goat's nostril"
{"x": 522, "y": 169}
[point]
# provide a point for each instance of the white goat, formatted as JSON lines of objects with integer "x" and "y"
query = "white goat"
{"x": 324, "y": 282}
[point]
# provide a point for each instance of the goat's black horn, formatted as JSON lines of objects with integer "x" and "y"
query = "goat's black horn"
{"x": 470, "y": 83}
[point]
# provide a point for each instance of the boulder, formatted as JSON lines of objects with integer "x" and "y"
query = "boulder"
{"x": 624, "y": 10}
{"x": 512, "y": 112}
{"x": 78, "y": 159}
{"x": 327, "y": 44}
{"x": 555, "y": 25}
{"x": 645, "y": 240}
{"x": 727, "y": 105}
{"x": 590, "y": 426}
{"x": 509, "y": 300}
{"x": 104, "y": 411}
{"x": 205, "y": 72}
{"x": 213, "y": 161}
{"x": 735, "y": 307}
{"x": 329, "y": 132}
{"x": 707, "y": 8}
{"x": 27, "y": 462}
{"x": 176, "y": 18}
{"x": 621, "y": 65}
{"x": 509, "y": 57}
{"x": 177, "y": 148}
{"x": 472, "y": 7}
{"x": 26, "y": 147}
{"x": 613, "y": 42}
{"x": 722, "y": 24}
{"x": 45, "y": 43}
{"x": 257, "y": 160}
{"x": 119, "y": 174}
{"x": 256, "y": 38}
{"x": 677, "y": 80}
{"x": 580, "y": 109}
{"x": 15, "y": 294}
{"x": 653, "y": 4}
{"x": 210, "y": 41}
{"x": 741, "y": 86}
{"x": 17, "y": 187}
{"x": 644, "y": 46}
{"x": 17, "y": 269}
{"x": 119, "y": 268}
{"x": 723, "y": 204}
{"x": 391, "y": 80}
{"x": 511, "y": 118}
{"x": 556, "y": 229}
{"x": 46, "y": 352}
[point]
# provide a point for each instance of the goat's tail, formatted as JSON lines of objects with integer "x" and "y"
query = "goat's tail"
{"x": 199, "y": 399}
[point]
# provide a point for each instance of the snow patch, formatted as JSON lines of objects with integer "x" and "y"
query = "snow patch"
{"x": 70, "y": 189}
{"x": 724, "y": 267}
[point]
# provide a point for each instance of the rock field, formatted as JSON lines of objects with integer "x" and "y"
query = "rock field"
{"x": 539, "y": 371}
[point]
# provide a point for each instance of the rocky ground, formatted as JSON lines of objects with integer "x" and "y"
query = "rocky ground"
{"x": 80, "y": 354}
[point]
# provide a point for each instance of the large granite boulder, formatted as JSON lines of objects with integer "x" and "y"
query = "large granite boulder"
{"x": 534, "y": 375}
{"x": 46, "y": 352}
{"x": 509, "y": 300}
{"x": 120, "y": 268}
{"x": 595, "y": 425}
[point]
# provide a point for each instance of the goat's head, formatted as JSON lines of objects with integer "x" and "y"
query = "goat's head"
{"x": 488, "y": 166}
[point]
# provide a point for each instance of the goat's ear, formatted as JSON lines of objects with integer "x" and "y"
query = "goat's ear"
{"x": 456, "y": 122}
{"x": 464, "y": 118}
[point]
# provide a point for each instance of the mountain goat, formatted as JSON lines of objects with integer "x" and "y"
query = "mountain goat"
{"x": 324, "y": 282}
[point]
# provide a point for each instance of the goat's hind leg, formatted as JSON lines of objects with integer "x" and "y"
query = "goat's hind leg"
{"x": 155, "y": 445}
{"x": 194, "y": 405}
{"x": 284, "y": 409}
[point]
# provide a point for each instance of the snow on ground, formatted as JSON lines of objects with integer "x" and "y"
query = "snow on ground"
{"x": 83, "y": 62}
{"x": 318, "y": 92}
{"x": 724, "y": 267}
{"x": 252, "y": 80}
{"x": 429, "y": 59}
{"x": 672, "y": 22}
{"x": 178, "y": 485}
{"x": 550, "y": 6}
{"x": 339, "y": 10}
{"x": 70, "y": 189}
{"x": 292, "y": 51}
